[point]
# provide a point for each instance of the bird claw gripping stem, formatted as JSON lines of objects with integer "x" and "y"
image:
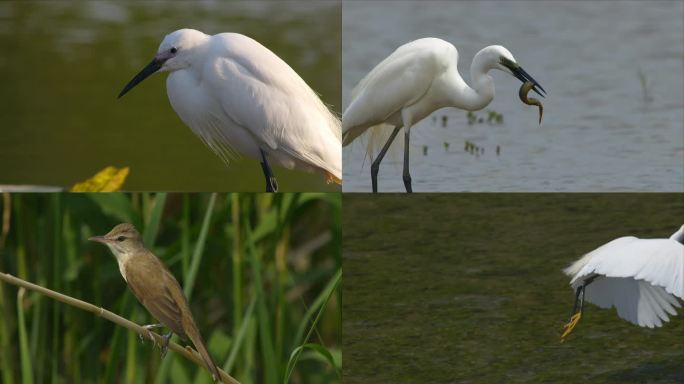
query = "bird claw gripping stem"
{"x": 148, "y": 328}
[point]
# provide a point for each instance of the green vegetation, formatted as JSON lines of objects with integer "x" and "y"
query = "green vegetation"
{"x": 490, "y": 116}
{"x": 262, "y": 273}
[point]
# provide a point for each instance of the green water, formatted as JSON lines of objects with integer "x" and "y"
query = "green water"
{"x": 64, "y": 63}
{"x": 468, "y": 288}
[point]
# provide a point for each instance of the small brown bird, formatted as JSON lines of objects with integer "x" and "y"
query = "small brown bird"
{"x": 155, "y": 287}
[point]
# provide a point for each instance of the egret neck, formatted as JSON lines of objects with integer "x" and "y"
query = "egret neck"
{"x": 155, "y": 287}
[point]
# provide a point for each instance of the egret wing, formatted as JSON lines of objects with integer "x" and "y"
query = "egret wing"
{"x": 636, "y": 301}
{"x": 268, "y": 100}
{"x": 398, "y": 81}
{"x": 636, "y": 276}
{"x": 657, "y": 261}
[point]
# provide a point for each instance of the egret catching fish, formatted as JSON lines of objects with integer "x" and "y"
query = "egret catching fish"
{"x": 241, "y": 98}
{"x": 416, "y": 79}
{"x": 641, "y": 278}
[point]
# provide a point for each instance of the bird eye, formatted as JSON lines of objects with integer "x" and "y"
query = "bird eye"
{"x": 121, "y": 238}
{"x": 174, "y": 49}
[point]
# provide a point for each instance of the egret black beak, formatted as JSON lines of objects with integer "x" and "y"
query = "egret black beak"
{"x": 151, "y": 68}
{"x": 523, "y": 76}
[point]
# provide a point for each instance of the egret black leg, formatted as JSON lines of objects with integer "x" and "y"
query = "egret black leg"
{"x": 578, "y": 291}
{"x": 271, "y": 183}
{"x": 406, "y": 174}
{"x": 376, "y": 163}
{"x": 584, "y": 289}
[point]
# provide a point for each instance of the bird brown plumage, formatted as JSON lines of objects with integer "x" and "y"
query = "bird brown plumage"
{"x": 154, "y": 286}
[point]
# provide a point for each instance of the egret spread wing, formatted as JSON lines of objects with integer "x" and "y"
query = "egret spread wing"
{"x": 264, "y": 97}
{"x": 636, "y": 301}
{"x": 398, "y": 81}
{"x": 637, "y": 276}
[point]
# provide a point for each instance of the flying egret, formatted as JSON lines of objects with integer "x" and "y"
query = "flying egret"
{"x": 240, "y": 98}
{"x": 416, "y": 79}
{"x": 641, "y": 278}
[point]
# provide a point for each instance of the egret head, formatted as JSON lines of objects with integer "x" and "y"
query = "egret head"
{"x": 175, "y": 52}
{"x": 498, "y": 57}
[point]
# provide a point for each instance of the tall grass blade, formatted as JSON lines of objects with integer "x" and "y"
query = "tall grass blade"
{"x": 26, "y": 362}
{"x": 319, "y": 304}
{"x": 263, "y": 320}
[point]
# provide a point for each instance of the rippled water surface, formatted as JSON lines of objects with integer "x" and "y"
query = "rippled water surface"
{"x": 468, "y": 288}
{"x": 614, "y": 114}
{"x": 64, "y": 62}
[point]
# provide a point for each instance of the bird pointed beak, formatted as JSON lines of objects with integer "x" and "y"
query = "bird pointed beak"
{"x": 523, "y": 76}
{"x": 99, "y": 239}
{"x": 149, "y": 69}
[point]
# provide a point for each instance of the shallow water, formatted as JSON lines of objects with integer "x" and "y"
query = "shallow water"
{"x": 602, "y": 130}
{"x": 65, "y": 62}
{"x": 468, "y": 288}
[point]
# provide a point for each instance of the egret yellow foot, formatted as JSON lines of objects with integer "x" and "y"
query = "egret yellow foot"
{"x": 567, "y": 329}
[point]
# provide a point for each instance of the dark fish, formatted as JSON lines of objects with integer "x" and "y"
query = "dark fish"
{"x": 524, "y": 90}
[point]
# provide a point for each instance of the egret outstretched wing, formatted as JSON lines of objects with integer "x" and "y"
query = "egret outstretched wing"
{"x": 636, "y": 276}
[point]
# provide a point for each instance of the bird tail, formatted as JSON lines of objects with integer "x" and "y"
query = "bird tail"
{"x": 377, "y": 136}
{"x": 193, "y": 333}
{"x": 374, "y": 136}
{"x": 577, "y": 266}
{"x": 350, "y": 135}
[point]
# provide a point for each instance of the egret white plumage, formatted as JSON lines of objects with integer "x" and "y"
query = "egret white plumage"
{"x": 416, "y": 79}
{"x": 641, "y": 278}
{"x": 241, "y": 98}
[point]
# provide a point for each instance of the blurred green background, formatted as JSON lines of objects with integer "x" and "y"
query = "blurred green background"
{"x": 264, "y": 271}
{"x": 468, "y": 288}
{"x": 64, "y": 63}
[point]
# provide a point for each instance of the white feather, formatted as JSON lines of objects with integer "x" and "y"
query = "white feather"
{"x": 641, "y": 278}
{"x": 240, "y": 97}
{"x": 416, "y": 79}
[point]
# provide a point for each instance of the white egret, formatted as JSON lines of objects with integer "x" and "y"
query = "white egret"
{"x": 240, "y": 98}
{"x": 641, "y": 278}
{"x": 416, "y": 79}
